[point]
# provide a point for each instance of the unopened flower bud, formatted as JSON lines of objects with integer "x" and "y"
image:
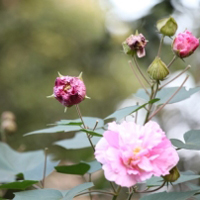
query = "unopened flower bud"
{"x": 7, "y": 115}
{"x": 135, "y": 44}
{"x": 167, "y": 26}
{"x": 9, "y": 126}
{"x": 185, "y": 44}
{"x": 69, "y": 90}
{"x": 158, "y": 70}
{"x": 173, "y": 175}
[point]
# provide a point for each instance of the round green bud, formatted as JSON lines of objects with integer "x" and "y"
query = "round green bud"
{"x": 167, "y": 26}
{"x": 173, "y": 176}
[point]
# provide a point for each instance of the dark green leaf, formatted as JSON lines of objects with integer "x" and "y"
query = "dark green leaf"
{"x": 21, "y": 185}
{"x": 74, "y": 143}
{"x": 88, "y": 121}
{"x": 74, "y": 191}
{"x": 79, "y": 169}
{"x": 170, "y": 195}
{"x": 94, "y": 166}
{"x": 192, "y": 140}
{"x": 166, "y": 93}
{"x": 91, "y": 133}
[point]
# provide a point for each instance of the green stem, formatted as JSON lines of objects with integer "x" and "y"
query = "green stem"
{"x": 96, "y": 191}
{"x": 117, "y": 193}
{"x": 139, "y": 69}
{"x": 172, "y": 61}
{"x": 152, "y": 96}
{"x": 85, "y": 127}
{"x": 130, "y": 195}
{"x": 160, "y": 46}
{"x": 45, "y": 166}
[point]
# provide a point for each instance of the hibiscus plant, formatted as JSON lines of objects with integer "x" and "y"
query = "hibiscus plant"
{"x": 135, "y": 158}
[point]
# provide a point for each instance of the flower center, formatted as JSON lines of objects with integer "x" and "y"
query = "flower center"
{"x": 136, "y": 150}
{"x": 67, "y": 87}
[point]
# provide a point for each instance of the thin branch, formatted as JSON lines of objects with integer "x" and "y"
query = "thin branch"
{"x": 147, "y": 191}
{"x": 131, "y": 65}
{"x": 97, "y": 191}
{"x": 160, "y": 46}
{"x": 138, "y": 67}
{"x": 80, "y": 116}
{"x": 173, "y": 59}
{"x": 45, "y": 166}
{"x": 161, "y": 107}
{"x": 136, "y": 114}
{"x": 188, "y": 67}
{"x": 95, "y": 125}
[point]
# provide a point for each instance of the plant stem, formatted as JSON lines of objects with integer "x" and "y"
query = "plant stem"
{"x": 90, "y": 180}
{"x": 139, "y": 80}
{"x": 173, "y": 59}
{"x": 45, "y": 166}
{"x": 138, "y": 67}
{"x": 130, "y": 195}
{"x": 80, "y": 116}
{"x": 117, "y": 193}
{"x": 161, "y": 107}
{"x": 188, "y": 67}
{"x": 152, "y": 96}
{"x": 97, "y": 191}
{"x": 160, "y": 46}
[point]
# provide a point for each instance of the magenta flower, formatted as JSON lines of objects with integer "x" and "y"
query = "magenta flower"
{"x": 69, "y": 90}
{"x": 131, "y": 153}
{"x": 137, "y": 43}
{"x": 185, "y": 44}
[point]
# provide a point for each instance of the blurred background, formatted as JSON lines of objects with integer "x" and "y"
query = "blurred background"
{"x": 39, "y": 38}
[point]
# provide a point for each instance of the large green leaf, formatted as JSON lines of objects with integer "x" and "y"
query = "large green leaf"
{"x": 41, "y": 194}
{"x": 70, "y": 125}
{"x": 184, "y": 177}
{"x": 166, "y": 93}
{"x": 74, "y": 143}
{"x": 170, "y": 195}
{"x": 192, "y": 140}
{"x": 21, "y": 185}
{"x": 121, "y": 113}
{"x": 30, "y": 163}
{"x": 79, "y": 169}
{"x": 94, "y": 166}
{"x": 73, "y": 192}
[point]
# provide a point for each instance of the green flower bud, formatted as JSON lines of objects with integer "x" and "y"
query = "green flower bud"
{"x": 167, "y": 26}
{"x": 173, "y": 176}
{"x": 158, "y": 70}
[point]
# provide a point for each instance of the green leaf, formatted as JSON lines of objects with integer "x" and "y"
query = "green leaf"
{"x": 91, "y": 133}
{"x": 121, "y": 113}
{"x": 170, "y": 195}
{"x": 21, "y": 185}
{"x": 166, "y": 93}
{"x": 30, "y": 163}
{"x": 89, "y": 122}
{"x": 74, "y": 143}
{"x": 94, "y": 166}
{"x": 184, "y": 177}
{"x": 79, "y": 169}
{"x": 39, "y": 194}
{"x": 73, "y": 192}
{"x": 192, "y": 140}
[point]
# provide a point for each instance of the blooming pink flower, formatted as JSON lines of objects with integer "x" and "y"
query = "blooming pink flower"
{"x": 185, "y": 44}
{"x": 137, "y": 43}
{"x": 69, "y": 90}
{"x": 131, "y": 153}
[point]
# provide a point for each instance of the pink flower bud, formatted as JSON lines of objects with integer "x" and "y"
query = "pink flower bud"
{"x": 185, "y": 44}
{"x": 69, "y": 90}
{"x": 135, "y": 43}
